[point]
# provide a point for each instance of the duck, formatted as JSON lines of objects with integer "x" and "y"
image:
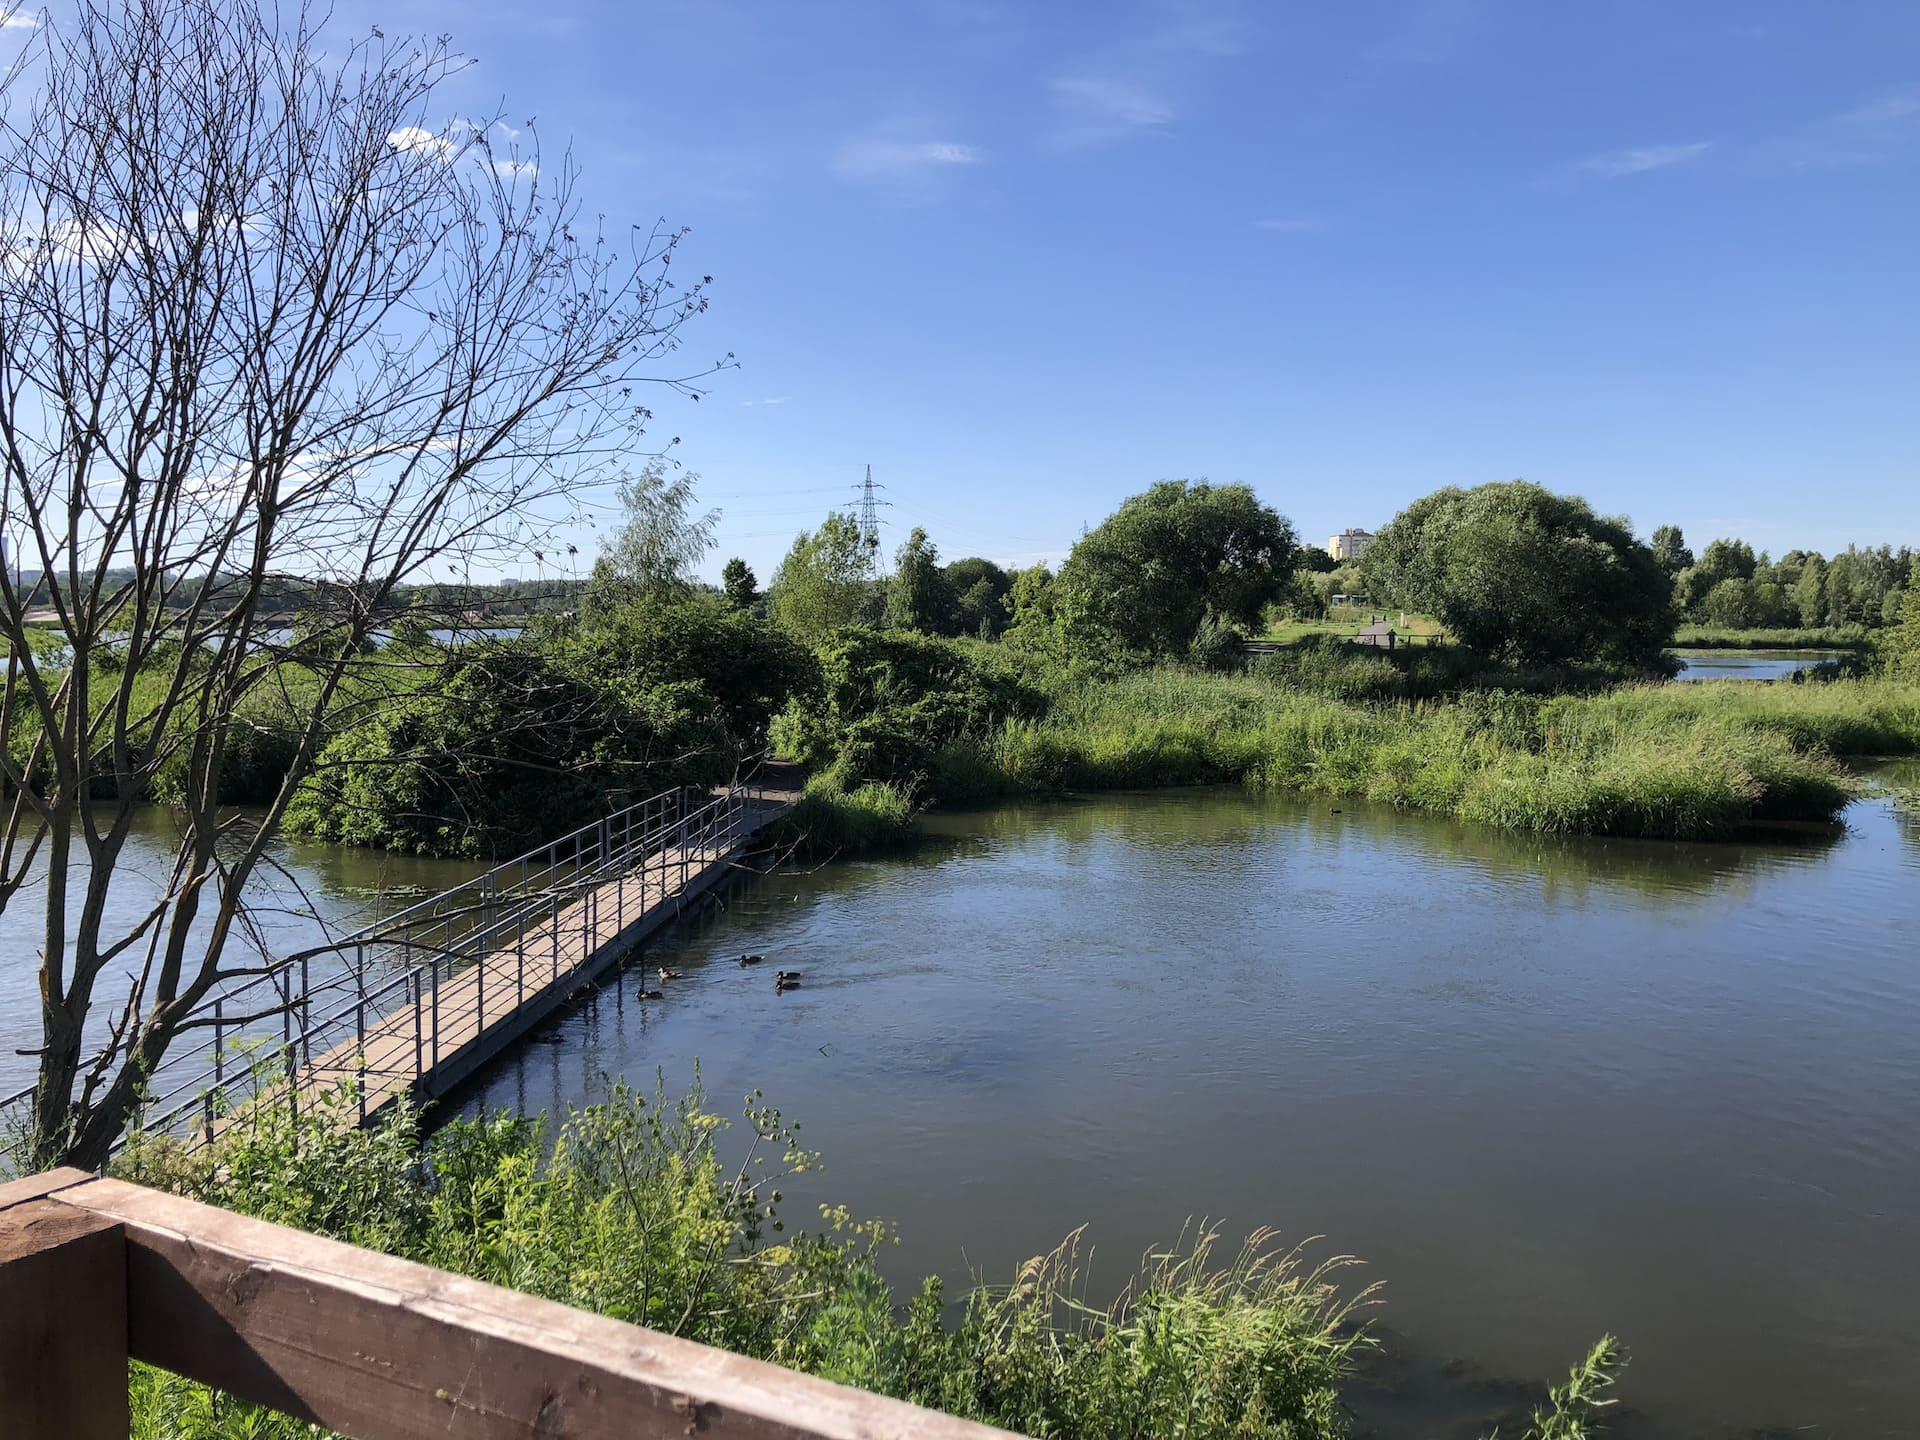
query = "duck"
{"x": 780, "y": 987}
{"x": 666, "y": 975}
{"x": 787, "y": 977}
{"x": 653, "y": 994}
{"x": 751, "y": 959}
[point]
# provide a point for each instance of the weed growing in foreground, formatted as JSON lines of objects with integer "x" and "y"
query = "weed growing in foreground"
{"x": 629, "y": 1209}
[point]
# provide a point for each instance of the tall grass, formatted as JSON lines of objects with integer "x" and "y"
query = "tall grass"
{"x": 835, "y": 819}
{"x": 1819, "y": 637}
{"x": 1667, "y": 761}
{"x": 630, "y": 1209}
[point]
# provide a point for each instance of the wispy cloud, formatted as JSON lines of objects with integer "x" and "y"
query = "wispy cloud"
{"x": 1889, "y": 111}
{"x": 1293, "y": 224}
{"x": 1619, "y": 164}
{"x": 1868, "y": 134}
{"x": 770, "y": 400}
{"x": 897, "y": 160}
{"x": 516, "y": 169}
{"x": 22, "y": 20}
{"x": 1097, "y": 109}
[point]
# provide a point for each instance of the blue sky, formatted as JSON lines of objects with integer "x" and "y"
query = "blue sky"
{"x": 1028, "y": 258}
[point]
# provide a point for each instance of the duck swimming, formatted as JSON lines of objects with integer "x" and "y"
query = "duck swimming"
{"x": 666, "y": 975}
{"x": 751, "y": 959}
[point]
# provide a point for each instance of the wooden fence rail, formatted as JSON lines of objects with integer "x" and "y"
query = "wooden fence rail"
{"x": 96, "y": 1272}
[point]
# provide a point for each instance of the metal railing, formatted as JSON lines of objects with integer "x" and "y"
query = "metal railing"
{"x": 431, "y": 977}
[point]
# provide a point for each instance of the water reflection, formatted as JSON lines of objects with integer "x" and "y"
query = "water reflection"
{"x": 1547, "y": 1088}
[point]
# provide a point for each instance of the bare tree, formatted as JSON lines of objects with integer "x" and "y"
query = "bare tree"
{"x": 270, "y": 324}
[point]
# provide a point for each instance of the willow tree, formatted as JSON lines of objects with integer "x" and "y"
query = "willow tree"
{"x": 271, "y": 330}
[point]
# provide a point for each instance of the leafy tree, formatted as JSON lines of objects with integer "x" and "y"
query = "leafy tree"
{"x": 1030, "y": 610}
{"x": 1670, "y": 549}
{"x": 1140, "y": 583}
{"x": 260, "y": 321}
{"x": 1900, "y": 646}
{"x": 1723, "y": 560}
{"x": 1747, "y": 604}
{"x": 1810, "y": 591}
{"x": 659, "y": 542}
{"x": 740, "y": 585}
{"x": 824, "y": 582}
{"x": 980, "y": 589}
{"x": 1527, "y": 577}
{"x": 919, "y": 596}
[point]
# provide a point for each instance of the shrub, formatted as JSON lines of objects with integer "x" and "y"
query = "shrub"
{"x": 506, "y": 750}
{"x": 891, "y": 701}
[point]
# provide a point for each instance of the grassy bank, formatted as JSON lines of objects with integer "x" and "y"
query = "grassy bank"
{"x": 1654, "y": 761}
{"x": 1430, "y": 730}
{"x": 1825, "y": 637}
{"x": 1418, "y": 629}
{"x": 633, "y": 1210}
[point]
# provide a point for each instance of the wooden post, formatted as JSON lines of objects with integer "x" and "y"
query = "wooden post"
{"x": 63, "y": 1318}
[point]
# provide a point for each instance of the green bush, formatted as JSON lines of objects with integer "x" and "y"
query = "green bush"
{"x": 514, "y": 742}
{"x": 892, "y": 701}
{"x": 507, "y": 749}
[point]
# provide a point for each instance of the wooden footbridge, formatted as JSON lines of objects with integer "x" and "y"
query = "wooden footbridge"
{"x": 416, "y": 1003}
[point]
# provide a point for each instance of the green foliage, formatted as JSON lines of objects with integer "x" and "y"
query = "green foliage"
{"x": 738, "y": 583}
{"x": 892, "y": 701}
{"x": 1576, "y": 1406}
{"x": 1668, "y": 761}
{"x": 1826, "y": 637}
{"x": 919, "y": 596}
{"x": 825, "y": 581}
{"x": 832, "y": 820}
{"x": 1030, "y": 608}
{"x": 504, "y": 750}
{"x": 514, "y": 742}
{"x": 1900, "y": 647}
{"x": 1670, "y": 549}
{"x": 1526, "y": 577}
{"x": 1333, "y": 666}
{"x": 634, "y": 1210}
{"x": 980, "y": 591}
{"x": 657, "y": 545}
{"x": 696, "y": 653}
{"x": 1217, "y": 645}
{"x": 1141, "y": 583}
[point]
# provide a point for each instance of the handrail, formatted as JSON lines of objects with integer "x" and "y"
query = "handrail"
{"x": 294, "y": 1014}
{"x": 354, "y": 1341}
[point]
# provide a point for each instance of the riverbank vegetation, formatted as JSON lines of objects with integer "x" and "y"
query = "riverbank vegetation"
{"x": 1819, "y": 637}
{"x": 653, "y": 1211}
{"x": 1804, "y": 597}
{"x": 1675, "y": 762}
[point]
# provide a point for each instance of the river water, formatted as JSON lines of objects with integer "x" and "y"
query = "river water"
{"x": 1545, "y": 1088}
{"x": 1749, "y": 664}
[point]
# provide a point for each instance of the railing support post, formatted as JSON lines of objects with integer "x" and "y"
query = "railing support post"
{"x": 360, "y": 1027}
{"x": 63, "y": 1322}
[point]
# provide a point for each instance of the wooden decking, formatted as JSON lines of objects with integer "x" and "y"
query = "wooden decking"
{"x": 442, "y": 1033}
